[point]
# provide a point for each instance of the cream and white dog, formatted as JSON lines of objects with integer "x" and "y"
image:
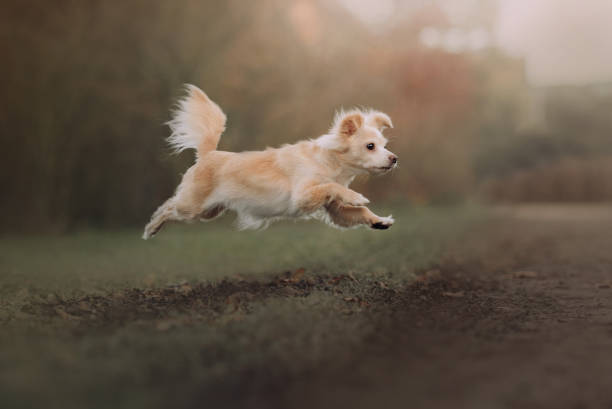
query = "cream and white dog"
{"x": 309, "y": 179}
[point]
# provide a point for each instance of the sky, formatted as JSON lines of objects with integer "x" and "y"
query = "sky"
{"x": 563, "y": 42}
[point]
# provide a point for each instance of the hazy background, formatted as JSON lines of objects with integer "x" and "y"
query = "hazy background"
{"x": 501, "y": 102}
{"x": 505, "y": 101}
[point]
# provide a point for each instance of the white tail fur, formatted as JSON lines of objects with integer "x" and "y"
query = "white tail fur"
{"x": 197, "y": 123}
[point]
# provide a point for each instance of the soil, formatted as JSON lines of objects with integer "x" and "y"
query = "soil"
{"x": 518, "y": 318}
{"x": 518, "y": 314}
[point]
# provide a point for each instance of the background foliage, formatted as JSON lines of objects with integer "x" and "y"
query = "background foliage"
{"x": 86, "y": 87}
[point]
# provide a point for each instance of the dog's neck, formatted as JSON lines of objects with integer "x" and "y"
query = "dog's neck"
{"x": 341, "y": 172}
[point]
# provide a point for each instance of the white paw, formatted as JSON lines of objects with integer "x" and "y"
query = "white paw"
{"x": 383, "y": 223}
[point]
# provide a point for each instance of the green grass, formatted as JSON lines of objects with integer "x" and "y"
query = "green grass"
{"x": 156, "y": 355}
{"x": 98, "y": 261}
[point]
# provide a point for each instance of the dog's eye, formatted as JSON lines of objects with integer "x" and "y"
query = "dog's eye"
{"x": 370, "y": 146}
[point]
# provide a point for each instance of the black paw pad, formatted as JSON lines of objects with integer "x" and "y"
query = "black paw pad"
{"x": 380, "y": 226}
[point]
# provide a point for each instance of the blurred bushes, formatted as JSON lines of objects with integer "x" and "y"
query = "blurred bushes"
{"x": 566, "y": 180}
{"x": 568, "y": 160}
{"x": 87, "y": 86}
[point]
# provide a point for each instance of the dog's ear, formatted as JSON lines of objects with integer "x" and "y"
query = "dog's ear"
{"x": 379, "y": 120}
{"x": 350, "y": 124}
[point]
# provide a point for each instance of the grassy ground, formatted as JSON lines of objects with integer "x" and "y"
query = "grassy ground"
{"x": 203, "y": 314}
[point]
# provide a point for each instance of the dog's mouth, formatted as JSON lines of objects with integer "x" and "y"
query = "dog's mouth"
{"x": 382, "y": 169}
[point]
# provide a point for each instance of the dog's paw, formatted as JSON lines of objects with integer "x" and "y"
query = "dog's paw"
{"x": 383, "y": 223}
{"x": 356, "y": 199}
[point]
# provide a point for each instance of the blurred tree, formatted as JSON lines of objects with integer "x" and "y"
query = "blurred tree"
{"x": 87, "y": 86}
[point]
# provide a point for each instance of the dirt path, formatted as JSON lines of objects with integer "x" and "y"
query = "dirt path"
{"x": 518, "y": 318}
{"x": 516, "y": 314}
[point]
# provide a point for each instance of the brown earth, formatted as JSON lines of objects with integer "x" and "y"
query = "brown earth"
{"x": 518, "y": 316}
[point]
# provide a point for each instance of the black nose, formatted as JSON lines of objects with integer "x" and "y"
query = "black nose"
{"x": 393, "y": 159}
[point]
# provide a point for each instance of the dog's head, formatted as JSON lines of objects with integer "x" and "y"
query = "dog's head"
{"x": 357, "y": 138}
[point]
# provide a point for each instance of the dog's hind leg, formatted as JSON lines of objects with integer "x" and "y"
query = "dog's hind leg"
{"x": 173, "y": 210}
{"x": 212, "y": 213}
{"x": 188, "y": 204}
{"x": 163, "y": 213}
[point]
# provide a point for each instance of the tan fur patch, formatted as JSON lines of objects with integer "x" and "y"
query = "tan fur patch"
{"x": 351, "y": 124}
{"x": 379, "y": 121}
{"x": 350, "y": 216}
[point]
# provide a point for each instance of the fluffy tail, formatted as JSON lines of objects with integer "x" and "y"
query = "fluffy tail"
{"x": 197, "y": 123}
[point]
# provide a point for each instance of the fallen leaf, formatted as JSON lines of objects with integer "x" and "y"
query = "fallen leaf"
{"x": 297, "y": 275}
{"x": 185, "y": 289}
{"x": 336, "y": 280}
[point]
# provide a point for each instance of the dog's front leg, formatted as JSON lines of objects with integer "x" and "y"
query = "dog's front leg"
{"x": 350, "y": 216}
{"x": 317, "y": 196}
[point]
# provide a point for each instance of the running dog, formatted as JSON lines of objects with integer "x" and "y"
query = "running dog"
{"x": 308, "y": 179}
